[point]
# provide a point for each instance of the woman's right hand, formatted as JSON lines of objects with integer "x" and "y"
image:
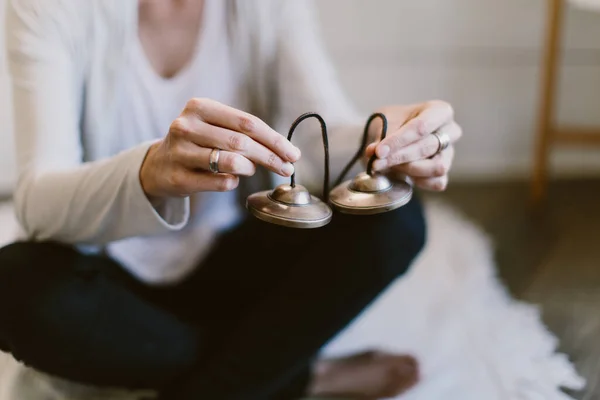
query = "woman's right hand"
{"x": 178, "y": 165}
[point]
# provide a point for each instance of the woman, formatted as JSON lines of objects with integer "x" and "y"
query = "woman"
{"x": 140, "y": 269}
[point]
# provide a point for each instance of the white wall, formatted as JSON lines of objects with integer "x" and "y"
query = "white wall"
{"x": 482, "y": 55}
{"x": 6, "y": 143}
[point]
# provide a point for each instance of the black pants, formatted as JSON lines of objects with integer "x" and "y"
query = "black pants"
{"x": 246, "y": 325}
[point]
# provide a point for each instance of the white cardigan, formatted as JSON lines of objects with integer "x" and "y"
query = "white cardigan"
{"x": 76, "y": 184}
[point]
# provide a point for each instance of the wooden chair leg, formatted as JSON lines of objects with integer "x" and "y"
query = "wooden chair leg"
{"x": 547, "y": 100}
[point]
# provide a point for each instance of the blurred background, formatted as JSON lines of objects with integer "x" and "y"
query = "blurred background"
{"x": 483, "y": 56}
{"x": 486, "y": 57}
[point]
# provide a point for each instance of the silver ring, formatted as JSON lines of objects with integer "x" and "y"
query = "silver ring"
{"x": 444, "y": 141}
{"x": 213, "y": 161}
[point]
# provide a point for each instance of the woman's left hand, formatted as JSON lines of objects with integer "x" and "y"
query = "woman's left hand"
{"x": 410, "y": 148}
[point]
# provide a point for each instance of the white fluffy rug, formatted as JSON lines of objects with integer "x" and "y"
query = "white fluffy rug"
{"x": 472, "y": 340}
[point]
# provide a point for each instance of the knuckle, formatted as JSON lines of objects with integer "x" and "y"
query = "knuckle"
{"x": 443, "y": 106}
{"x": 176, "y": 152}
{"x": 399, "y": 159}
{"x": 435, "y": 103}
{"x": 440, "y": 169}
{"x": 396, "y": 142}
{"x": 278, "y": 142}
{"x": 234, "y": 163}
{"x": 408, "y": 169}
{"x": 226, "y": 184}
{"x": 177, "y": 181}
{"x": 197, "y": 105}
{"x": 238, "y": 142}
{"x": 179, "y": 127}
{"x": 247, "y": 123}
{"x": 420, "y": 127}
{"x": 395, "y": 159}
{"x": 272, "y": 160}
{"x": 431, "y": 104}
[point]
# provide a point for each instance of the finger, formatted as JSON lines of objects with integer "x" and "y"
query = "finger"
{"x": 207, "y": 181}
{"x": 215, "y": 137}
{"x": 430, "y": 168}
{"x": 434, "y": 115}
{"x": 230, "y": 163}
{"x": 370, "y": 150}
{"x": 414, "y": 152}
{"x": 438, "y": 184}
{"x": 227, "y": 117}
{"x": 186, "y": 181}
{"x": 423, "y": 149}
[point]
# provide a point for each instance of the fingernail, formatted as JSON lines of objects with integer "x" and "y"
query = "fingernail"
{"x": 294, "y": 155}
{"x": 288, "y": 169}
{"x": 383, "y": 151}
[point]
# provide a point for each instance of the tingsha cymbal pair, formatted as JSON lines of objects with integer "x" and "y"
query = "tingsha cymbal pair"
{"x": 367, "y": 194}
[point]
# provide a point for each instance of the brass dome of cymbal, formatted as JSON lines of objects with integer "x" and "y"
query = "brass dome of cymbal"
{"x": 293, "y": 207}
{"x": 369, "y": 192}
{"x": 292, "y": 196}
{"x": 367, "y": 195}
{"x": 370, "y": 184}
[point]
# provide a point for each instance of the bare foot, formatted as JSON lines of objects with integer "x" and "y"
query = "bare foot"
{"x": 366, "y": 376}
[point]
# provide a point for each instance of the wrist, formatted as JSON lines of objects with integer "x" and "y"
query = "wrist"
{"x": 147, "y": 176}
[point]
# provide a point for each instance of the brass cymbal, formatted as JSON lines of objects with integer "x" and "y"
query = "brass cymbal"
{"x": 370, "y": 194}
{"x": 290, "y": 206}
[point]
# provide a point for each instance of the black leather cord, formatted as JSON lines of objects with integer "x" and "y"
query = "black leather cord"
{"x": 325, "y": 147}
{"x": 363, "y": 147}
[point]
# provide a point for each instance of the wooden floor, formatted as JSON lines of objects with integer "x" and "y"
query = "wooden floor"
{"x": 549, "y": 256}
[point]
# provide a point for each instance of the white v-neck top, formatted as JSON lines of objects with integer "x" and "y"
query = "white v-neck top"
{"x": 150, "y": 104}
